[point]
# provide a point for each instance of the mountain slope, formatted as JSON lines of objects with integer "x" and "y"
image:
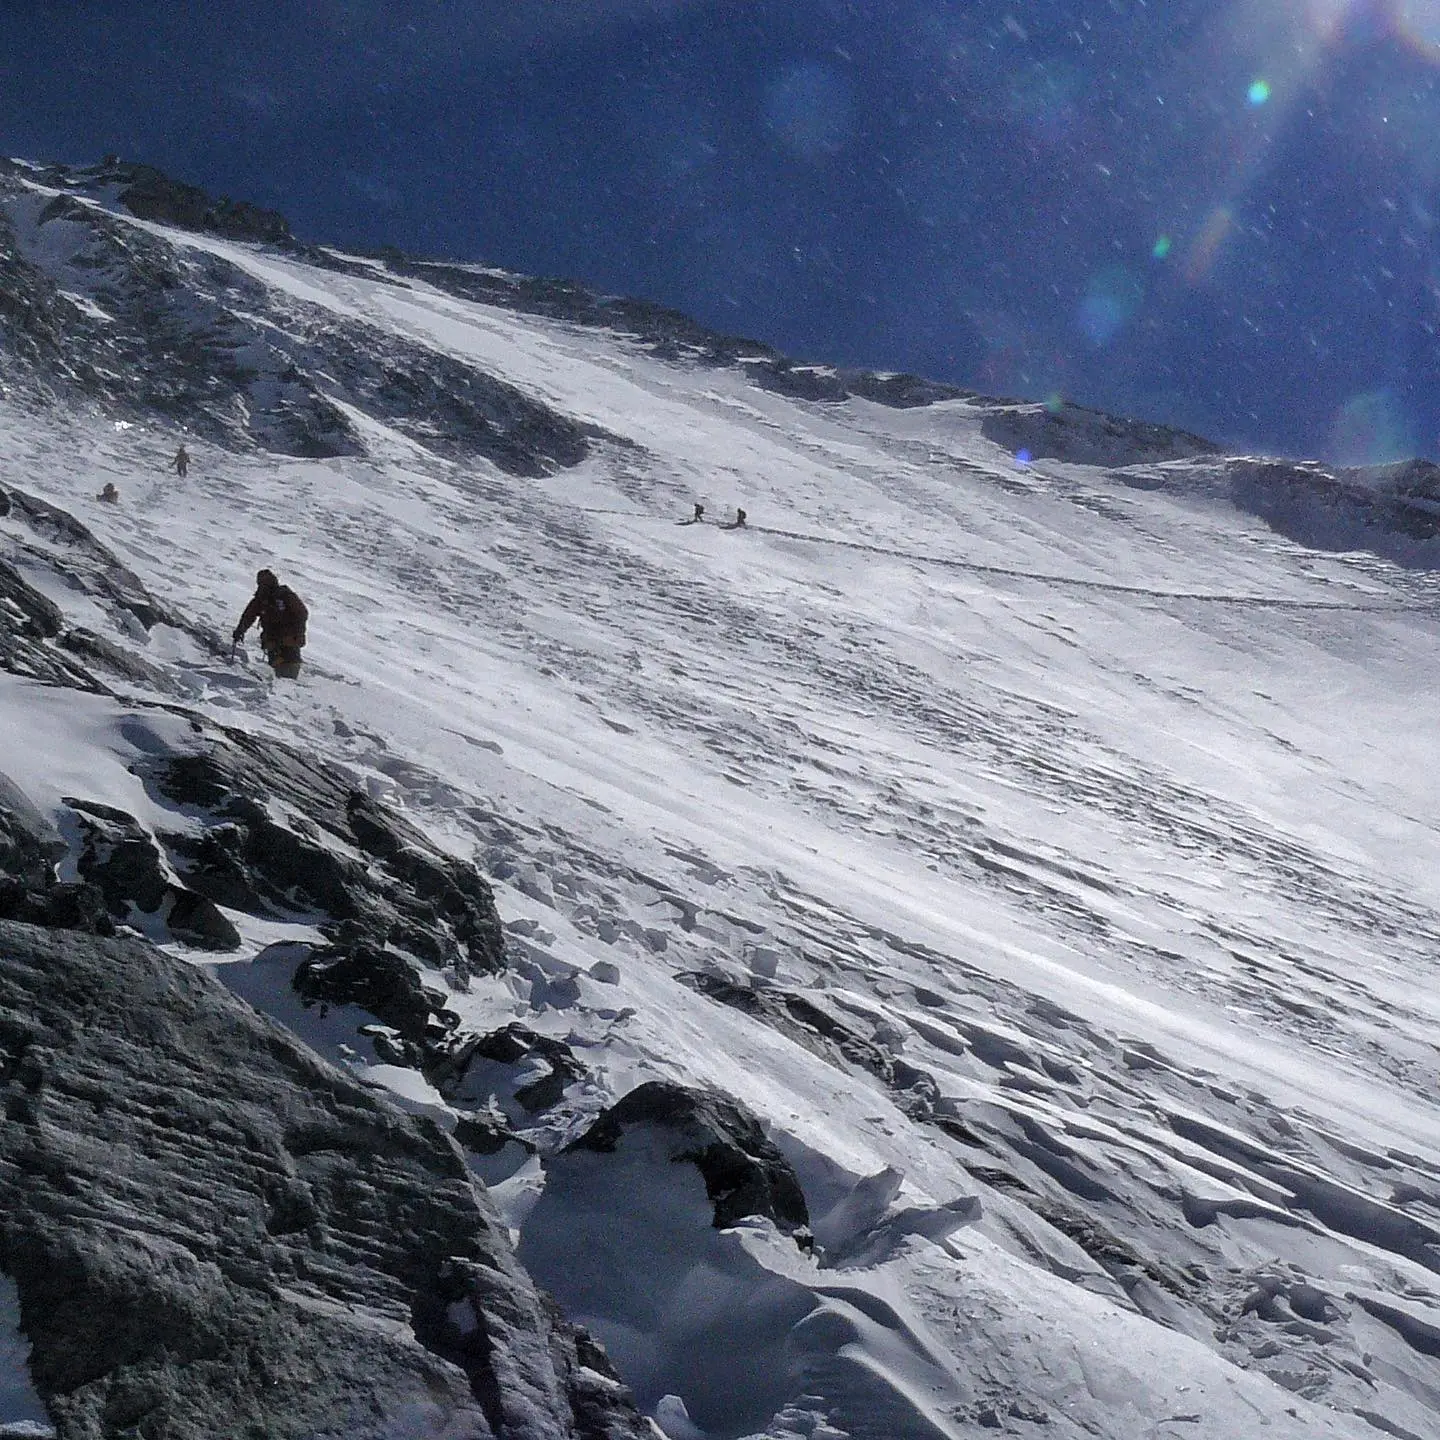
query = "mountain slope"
{"x": 1041, "y": 847}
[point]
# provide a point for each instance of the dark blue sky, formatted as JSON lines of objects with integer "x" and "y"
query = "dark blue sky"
{"x": 1217, "y": 213}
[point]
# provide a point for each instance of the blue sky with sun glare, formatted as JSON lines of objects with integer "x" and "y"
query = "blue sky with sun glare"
{"x": 1219, "y": 214}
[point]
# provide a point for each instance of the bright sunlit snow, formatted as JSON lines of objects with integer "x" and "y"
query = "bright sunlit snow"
{"x": 1079, "y": 789}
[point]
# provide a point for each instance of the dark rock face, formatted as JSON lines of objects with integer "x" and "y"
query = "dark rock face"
{"x": 371, "y": 877}
{"x": 191, "y": 336}
{"x": 90, "y": 566}
{"x": 744, "y": 1173}
{"x": 449, "y": 1068}
{"x": 1086, "y": 437}
{"x": 40, "y": 616}
{"x": 34, "y": 638}
{"x": 382, "y": 982}
{"x": 1392, "y": 510}
{"x": 29, "y": 891}
{"x": 29, "y": 624}
{"x": 121, "y": 860}
{"x": 214, "y": 1233}
{"x": 154, "y": 196}
{"x": 32, "y": 316}
{"x": 670, "y": 334}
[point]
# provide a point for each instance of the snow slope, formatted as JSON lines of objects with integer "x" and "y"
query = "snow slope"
{"x": 1075, "y": 789}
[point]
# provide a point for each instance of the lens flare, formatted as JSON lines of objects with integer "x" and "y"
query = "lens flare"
{"x": 1371, "y": 429}
{"x": 1205, "y": 247}
{"x": 1111, "y": 299}
{"x": 1259, "y": 92}
{"x": 1161, "y": 248}
{"x": 810, "y": 111}
{"x": 1417, "y": 24}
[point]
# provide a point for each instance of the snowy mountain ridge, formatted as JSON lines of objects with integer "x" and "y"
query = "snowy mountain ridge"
{"x": 1003, "y": 872}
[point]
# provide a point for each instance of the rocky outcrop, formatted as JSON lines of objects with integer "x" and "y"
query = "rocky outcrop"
{"x": 120, "y": 859}
{"x": 1085, "y": 437}
{"x": 30, "y": 846}
{"x": 670, "y": 334}
{"x": 548, "y": 1066}
{"x": 152, "y": 195}
{"x": 263, "y": 830}
{"x": 276, "y": 834}
{"x": 48, "y": 546}
{"x": 94, "y": 304}
{"x": 743, "y": 1171}
{"x": 213, "y": 1232}
{"x": 90, "y": 567}
{"x": 29, "y": 624}
{"x": 1392, "y": 510}
{"x": 384, "y": 984}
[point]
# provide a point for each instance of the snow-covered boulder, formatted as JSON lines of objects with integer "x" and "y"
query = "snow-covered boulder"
{"x": 745, "y": 1174}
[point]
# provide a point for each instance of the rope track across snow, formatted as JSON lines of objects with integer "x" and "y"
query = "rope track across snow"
{"x": 1077, "y": 582}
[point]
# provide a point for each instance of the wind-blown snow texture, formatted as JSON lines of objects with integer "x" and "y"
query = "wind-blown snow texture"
{"x": 1044, "y": 849}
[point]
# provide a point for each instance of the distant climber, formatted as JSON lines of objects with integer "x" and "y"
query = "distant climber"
{"x": 738, "y": 523}
{"x": 109, "y": 493}
{"x": 181, "y": 461}
{"x": 282, "y": 616}
{"x": 698, "y": 518}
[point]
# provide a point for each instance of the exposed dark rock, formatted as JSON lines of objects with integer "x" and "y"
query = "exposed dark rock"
{"x": 339, "y": 855}
{"x": 56, "y": 906}
{"x": 595, "y": 1390}
{"x": 213, "y": 1232}
{"x": 669, "y": 334}
{"x": 1393, "y": 510}
{"x": 116, "y": 659}
{"x": 190, "y": 335}
{"x": 484, "y": 1133}
{"x": 152, "y": 195}
{"x": 29, "y": 844}
{"x": 381, "y": 982}
{"x": 800, "y": 382}
{"x": 194, "y": 920}
{"x": 1086, "y": 437}
{"x": 25, "y": 650}
{"x": 124, "y": 863}
{"x": 449, "y": 1069}
{"x": 29, "y": 623}
{"x": 901, "y": 392}
{"x": 744, "y": 1173}
{"x": 804, "y": 1021}
{"x": 29, "y": 891}
{"x": 87, "y": 564}
{"x": 32, "y": 316}
{"x": 120, "y": 857}
{"x": 41, "y": 615}
{"x": 34, "y": 638}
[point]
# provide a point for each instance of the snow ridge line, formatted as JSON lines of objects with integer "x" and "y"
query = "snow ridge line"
{"x": 1111, "y": 587}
